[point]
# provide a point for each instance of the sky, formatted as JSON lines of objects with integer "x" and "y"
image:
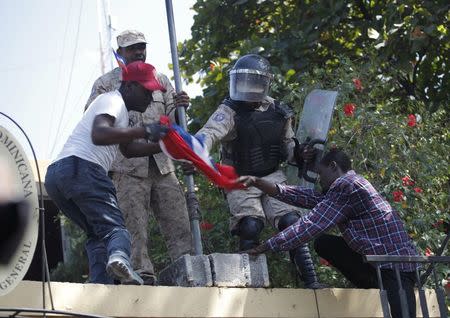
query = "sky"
{"x": 51, "y": 58}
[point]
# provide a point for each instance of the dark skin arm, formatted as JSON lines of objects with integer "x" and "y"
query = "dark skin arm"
{"x": 139, "y": 149}
{"x": 181, "y": 100}
{"x": 265, "y": 186}
{"x": 104, "y": 133}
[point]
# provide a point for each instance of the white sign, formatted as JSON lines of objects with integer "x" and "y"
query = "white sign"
{"x": 23, "y": 186}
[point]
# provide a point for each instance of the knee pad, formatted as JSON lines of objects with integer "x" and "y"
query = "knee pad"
{"x": 250, "y": 228}
{"x": 287, "y": 220}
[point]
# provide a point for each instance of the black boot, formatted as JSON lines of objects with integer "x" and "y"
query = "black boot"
{"x": 305, "y": 267}
{"x": 300, "y": 256}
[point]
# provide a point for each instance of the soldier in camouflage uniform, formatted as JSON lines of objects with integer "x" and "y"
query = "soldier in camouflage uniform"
{"x": 256, "y": 135}
{"x": 148, "y": 183}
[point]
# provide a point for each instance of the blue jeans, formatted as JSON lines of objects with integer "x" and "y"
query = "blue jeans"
{"x": 85, "y": 194}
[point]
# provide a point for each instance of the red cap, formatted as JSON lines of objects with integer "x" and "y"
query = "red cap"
{"x": 144, "y": 74}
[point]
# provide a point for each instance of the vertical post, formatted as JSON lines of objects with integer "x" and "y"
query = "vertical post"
{"x": 440, "y": 295}
{"x": 422, "y": 297}
{"x": 191, "y": 199}
{"x": 383, "y": 294}
{"x": 401, "y": 293}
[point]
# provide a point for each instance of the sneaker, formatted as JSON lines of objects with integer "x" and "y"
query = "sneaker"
{"x": 119, "y": 268}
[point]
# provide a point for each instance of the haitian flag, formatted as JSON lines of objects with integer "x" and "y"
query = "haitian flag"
{"x": 181, "y": 146}
{"x": 120, "y": 60}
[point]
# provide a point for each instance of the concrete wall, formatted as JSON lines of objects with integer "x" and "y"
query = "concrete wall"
{"x": 148, "y": 301}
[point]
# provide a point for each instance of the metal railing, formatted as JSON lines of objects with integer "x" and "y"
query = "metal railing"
{"x": 378, "y": 260}
{"x": 14, "y": 312}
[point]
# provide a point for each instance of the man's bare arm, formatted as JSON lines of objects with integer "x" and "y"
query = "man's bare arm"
{"x": 263, "y": 185}
{"x": 139, "y": 149}
{"x": 104, "y": 132}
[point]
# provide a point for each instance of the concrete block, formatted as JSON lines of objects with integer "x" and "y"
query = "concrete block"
{"x": 259, "y": 273}
{"x": 187, "y": 271}
{"x": 239, "y": 270}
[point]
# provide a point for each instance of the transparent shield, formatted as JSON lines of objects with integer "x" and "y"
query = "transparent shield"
{"x": 315, "y": 121}
{"x": 316, "y": 115}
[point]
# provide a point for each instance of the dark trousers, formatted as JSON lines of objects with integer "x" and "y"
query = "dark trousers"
{"x": 363, "y": 275}
{"x": 85, "y": 194}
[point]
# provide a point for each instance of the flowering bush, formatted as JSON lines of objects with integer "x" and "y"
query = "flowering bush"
{"x": 206, "y": 226}
{"x": 406, "y": 160}
{"x": 349, "y": 109}
{"x": 407, "y": 181}
{"x": 412, "y": 120}
{"x": 397, "y": 195}
{"x": 358, "y": 84}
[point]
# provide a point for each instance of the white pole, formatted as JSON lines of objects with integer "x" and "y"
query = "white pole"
{"x": 105, "y": 35}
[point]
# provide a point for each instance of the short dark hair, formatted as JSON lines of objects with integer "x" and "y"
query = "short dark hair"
{"x": 338, "y": 156}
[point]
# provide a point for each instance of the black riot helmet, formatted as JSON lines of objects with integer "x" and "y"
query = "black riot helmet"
{"x": 250, "y": 78}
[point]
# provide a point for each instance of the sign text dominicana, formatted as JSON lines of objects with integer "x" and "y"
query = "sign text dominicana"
{"x": 12, "y": 153}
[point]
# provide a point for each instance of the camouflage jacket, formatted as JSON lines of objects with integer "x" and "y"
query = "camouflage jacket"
{"x": 220, "y": 128}
{"x": 162, "y": 104}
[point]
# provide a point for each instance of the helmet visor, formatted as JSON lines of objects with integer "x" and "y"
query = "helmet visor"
{"x": 249, "y": 87}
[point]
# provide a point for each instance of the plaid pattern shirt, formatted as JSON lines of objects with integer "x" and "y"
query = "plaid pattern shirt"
{"x": 368, "y": 223}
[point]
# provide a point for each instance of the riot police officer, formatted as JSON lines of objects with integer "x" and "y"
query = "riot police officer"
{"x": 255, "y": 133}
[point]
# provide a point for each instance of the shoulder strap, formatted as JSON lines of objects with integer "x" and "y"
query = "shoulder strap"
{"x": 230, "y": 103}
{"x": 284, "y": 109}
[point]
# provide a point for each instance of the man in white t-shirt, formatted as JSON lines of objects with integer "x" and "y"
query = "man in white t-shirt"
{"x": 77, "y": 180}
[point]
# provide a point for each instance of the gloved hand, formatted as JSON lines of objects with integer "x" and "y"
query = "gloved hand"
{"x": 303, "y": 153}
{"x": 188, "y": 168}
{"x": 155, "y": 131}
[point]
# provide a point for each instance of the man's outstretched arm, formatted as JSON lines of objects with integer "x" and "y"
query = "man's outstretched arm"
{"x": 265, "y": 186}
{"x": 104, "y": 133}
{"x": 294, "y": 195}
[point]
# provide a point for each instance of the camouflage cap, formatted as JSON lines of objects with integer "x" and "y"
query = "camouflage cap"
{"x": 130, "y": 37}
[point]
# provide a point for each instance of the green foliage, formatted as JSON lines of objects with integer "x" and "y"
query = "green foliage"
{"x": 76, "y": 269}
{"x": 409, "y": 39}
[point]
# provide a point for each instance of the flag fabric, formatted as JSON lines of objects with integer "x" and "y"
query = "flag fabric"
{"x": 120, "y": 60}
{"x": 181, "y": 146}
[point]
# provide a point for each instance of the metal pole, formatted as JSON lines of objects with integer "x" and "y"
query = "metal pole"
{"x": 192, "y": 202}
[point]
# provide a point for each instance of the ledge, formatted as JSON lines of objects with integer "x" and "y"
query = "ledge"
{"x": 160, "y": 301}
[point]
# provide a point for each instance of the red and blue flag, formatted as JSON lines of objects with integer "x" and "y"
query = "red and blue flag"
{"x": 181, "y": 146}
{"x": 120, "y": 60}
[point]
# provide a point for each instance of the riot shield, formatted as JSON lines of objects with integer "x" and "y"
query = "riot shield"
{"x": 315, "y": 121}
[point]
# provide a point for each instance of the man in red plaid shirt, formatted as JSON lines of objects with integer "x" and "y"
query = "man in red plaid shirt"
{"x": 368, "y": 223}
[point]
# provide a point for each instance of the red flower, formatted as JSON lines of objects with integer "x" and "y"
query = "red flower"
{"x": 407, "y": 181}
{"x": 324, "y": 262}
{"x": 398, "y": 195}
{"x": 412, "y": 120}
{"x": 418, "y": 190}
{"x": 206, "y": 226}
{"x": 438, "y": 224}
{"x": 358, "y": 84}
{"x": 428, "y": 252}
{"x": 349, "y": 109}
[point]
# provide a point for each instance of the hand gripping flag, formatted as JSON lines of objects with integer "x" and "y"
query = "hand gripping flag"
{"x": 181, "y": 146}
